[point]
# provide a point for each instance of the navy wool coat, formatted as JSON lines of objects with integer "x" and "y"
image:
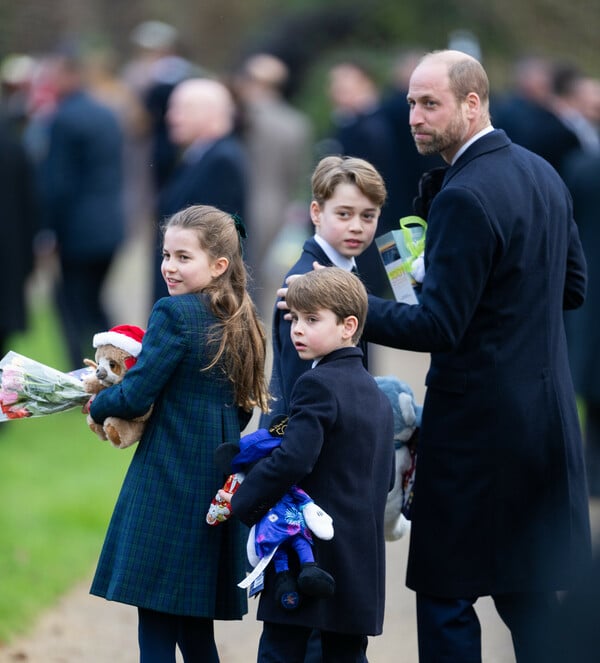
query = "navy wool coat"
{"x": 500, "y": 503}
{"x": 343, "y": 457}
{"x": 159, "y": 552}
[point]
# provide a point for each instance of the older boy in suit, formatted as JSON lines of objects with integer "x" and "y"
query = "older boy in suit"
{"x": 347, "y": 196}
{"x": 343, "y": 456}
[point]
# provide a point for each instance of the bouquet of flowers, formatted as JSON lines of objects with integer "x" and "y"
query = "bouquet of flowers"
{"x": 29, "y": 388}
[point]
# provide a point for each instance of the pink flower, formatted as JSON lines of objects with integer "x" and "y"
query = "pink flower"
{"x": 12, "y": 378}
{"x": 8, "y": 397}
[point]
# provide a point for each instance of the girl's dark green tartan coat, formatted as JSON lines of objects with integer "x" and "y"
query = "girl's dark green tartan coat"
{"x": 159, "y": 552}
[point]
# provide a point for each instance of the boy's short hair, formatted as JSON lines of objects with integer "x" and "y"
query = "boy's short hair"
{"x": 334, "y": 170}
{"x": 331, "y": 288}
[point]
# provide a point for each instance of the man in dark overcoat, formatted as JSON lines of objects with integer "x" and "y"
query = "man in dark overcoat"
{"x": 500, "y": 504}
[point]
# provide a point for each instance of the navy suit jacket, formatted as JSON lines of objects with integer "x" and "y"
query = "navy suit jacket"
{"x": 343, "y": 457}
{"x": 500, "y": 503}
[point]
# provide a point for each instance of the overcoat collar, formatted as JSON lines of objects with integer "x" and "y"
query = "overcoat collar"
{"x": 491, "y": 142}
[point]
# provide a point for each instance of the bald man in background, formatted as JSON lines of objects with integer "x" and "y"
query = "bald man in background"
{"x": 213, "y": 167}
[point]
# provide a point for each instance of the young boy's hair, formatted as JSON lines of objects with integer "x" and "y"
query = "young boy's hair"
{"x": 333, "y": 170}
{"x": 331, "y": 288}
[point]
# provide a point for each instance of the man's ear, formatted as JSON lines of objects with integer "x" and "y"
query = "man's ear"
{"x": 350, "y": 326}
{"x": 473, "y": 104}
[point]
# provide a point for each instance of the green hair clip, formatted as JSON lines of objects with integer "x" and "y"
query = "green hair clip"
{"x": 239, "y": 226}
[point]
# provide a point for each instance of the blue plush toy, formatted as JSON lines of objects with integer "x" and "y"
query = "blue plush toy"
{"x": 287, "y": 527}
{"x": 407, "y": 420}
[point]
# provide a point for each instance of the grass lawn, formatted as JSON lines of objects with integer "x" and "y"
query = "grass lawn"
{"x": 58, "y": 485}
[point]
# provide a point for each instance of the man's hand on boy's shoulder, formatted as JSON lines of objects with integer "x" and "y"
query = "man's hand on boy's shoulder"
{"x": 282, "y": 292}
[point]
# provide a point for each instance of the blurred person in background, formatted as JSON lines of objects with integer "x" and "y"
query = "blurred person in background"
{"x": 212, "y": 165}
{"x": 573, "y": 103}
{"x": 278, "y": 139}
{"x": 106, "y": 86}
{"x": 81, "y": 189}
{"x": 16, "y": 72}
{"x": 540, "y": 113}
{"x": 525, "y": 107}
{"x": 156, "y": 68}
{"x": 17, "y": 227}
{"x": 362, "y": 129}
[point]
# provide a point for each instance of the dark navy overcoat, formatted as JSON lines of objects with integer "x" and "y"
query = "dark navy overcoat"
{"x": 500, "y": 502}
{"x": 159, "y": 552}
{"x": 339, "y": 448}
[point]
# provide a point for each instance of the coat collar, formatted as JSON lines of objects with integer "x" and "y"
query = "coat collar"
{"x": 491, "y": 142}
{"x": 342, "y": 353}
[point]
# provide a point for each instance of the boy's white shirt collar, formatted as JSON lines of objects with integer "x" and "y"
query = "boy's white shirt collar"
{"x": 470, "y": 142}
{"x": 336, "y": 258}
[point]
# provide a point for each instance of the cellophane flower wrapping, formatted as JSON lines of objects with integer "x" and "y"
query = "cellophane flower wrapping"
{"x": 29, "y": 388}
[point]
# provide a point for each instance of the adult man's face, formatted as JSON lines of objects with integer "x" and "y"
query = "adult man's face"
{"x": 438, "y": 121}
{"x": 186, "y": 115}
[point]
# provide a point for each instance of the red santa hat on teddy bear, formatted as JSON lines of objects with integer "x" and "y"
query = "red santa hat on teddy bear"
{"x": 126, "y": 337}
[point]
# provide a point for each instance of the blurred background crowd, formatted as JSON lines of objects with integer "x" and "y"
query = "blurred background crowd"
{"x": 94, "y": 142}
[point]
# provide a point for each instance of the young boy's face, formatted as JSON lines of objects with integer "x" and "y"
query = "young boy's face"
{"x": 318, "y": 333}
{"x": 347, "y": 221}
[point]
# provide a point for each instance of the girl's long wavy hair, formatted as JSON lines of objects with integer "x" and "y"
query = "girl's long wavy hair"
{"x": 239, "y": 334}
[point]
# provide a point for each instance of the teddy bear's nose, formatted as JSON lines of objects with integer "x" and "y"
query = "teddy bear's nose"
{"x": 101, "y": 373}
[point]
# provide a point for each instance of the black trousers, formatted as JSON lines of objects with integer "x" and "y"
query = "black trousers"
{"x": 159, "y": 633}
{"x": 280, "y": 643}
{"x": 449, "y": 629}
{"x": 79, "y": 303}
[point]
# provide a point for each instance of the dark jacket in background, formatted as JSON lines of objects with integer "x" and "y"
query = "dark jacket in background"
{"x": 17, "y": 226}
{"x": 82, "y": 179}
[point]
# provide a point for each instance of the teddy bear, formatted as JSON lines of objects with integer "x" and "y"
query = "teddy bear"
{"x": 407, "y": 421}
{"x": 116, "y": 352}
{"x": 287, "y": 527}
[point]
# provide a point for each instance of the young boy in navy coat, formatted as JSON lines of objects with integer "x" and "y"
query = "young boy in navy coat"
{"x": 338, "y": 446}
